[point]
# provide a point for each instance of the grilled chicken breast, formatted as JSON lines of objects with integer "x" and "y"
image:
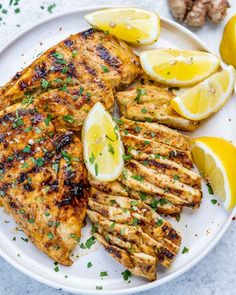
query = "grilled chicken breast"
{"x": 43, "y": 180}
{"x": 133, "y": 233}
{"x": 69, "y": 78}
{"x": 151, "y": 103}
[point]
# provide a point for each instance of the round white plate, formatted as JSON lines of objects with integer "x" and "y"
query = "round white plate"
{"x": 201, "y": 229}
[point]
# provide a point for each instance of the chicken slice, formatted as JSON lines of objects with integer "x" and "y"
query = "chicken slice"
{"x": 114, "y": 188}
{"x": 151, "y": 103}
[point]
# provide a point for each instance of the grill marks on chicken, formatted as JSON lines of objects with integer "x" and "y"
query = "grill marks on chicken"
{"x": 151, "y": 103}
{"x": 133, "y": 233}
{"x": 43, "y": 180}
{"x": 73, "y": 75}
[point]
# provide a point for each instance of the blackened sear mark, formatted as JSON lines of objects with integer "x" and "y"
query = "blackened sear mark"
{"x": 71, "y": 70}
{"x": 87, "y": 33}
{"x": 114, "y": 251}
{"x": 2, "y": 137}
{"x": 22, "y": 85}
{"x": 113, "y": 61}
{"x": 76, "y": 189}
{"x": 40, "y": 71}
{"x": 75, "y": 192}
{"x": 28, "y": 187}
{"x": 36, "y": 118}
{"x": 90, "y": 70}
{"x": 17, "y": 76}
{"x": 68, "y": 42}
{"x": 63, "y": 140}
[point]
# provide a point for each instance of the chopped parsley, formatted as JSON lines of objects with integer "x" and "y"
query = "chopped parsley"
{"x": 96, "y": 169}
{"x": 135, "y": 221}
{"x": 69, "y": 118}
{"x": 56, "y": 269}
{"x": 105, "y": 69}
{"x": 44, "y": 83}
{"x": 31, "y": 220}
{"x": 74, "y": 53}
{"x": 143, "y": 196}
{"x": 137, "y": 177}
{"x": 137, "y": 129}
{"x": 140, "y": 92}
{"x": 92, "y": 158}
{"x": 111, "y": 149}
{"x": 51, "y": 7}
{"x": 89, "y": 264}
{"x": 159, "y": 222}
{"x": 176, "y": 177}
{"x": 103, "y": 274}
{"x": 127, "y": 157}
{"x": 126, "y": 274}
{"x": 48, "y": 119}
{"x": 50, "y": 236}
{"x": 210, "y": 190}
{"x": 98, "y": 287}
{"x": 214, "y": 201}
{"x": 112, "y": 225}
{"x": 185, "y": 250}
{"x": 91, "y": 241}
{"x": 144, "y": 110}
{"x": 27, "y": 149}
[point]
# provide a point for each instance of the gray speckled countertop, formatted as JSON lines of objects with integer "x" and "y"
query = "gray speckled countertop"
{"x": 216, "y": 274}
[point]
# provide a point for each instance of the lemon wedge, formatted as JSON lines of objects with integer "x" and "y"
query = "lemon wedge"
{"x": 228, "y": 42}
{"x": 179, "y": 68}
{"x": 132, "y": 25}
{"x": 216, "y": 160}
{"x": 207, "y": 97}
{"x": 102, "y": 146}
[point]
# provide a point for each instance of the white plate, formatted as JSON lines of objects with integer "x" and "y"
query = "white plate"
{"x": 201, "y": 229}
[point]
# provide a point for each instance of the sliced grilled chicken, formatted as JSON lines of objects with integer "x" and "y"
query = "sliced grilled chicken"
{"x": 159, "y": 162}
{"x": 43, "y": 180}
{"x": 69, "y": 78}
{"x": 130, "y": 227}
{"x": 114, "y": 188}
{"x": 151, "y": 103}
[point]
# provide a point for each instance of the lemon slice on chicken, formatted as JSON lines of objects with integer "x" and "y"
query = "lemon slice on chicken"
{"x": 207, "y": 97}
{"x": 132, "y": 25}
{"x": 216, "y": 160}
{"x": 103, "y": 148}
{"x": 176, "y": 67}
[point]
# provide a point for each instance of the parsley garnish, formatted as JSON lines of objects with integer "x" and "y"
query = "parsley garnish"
{"x": 105, "y": 69}
{"x": 96, "y": 169}
{"x": 210, "y": 190}
{"x": 140, "y": 92}
{"x": 137, "y": 177}
{"x": 111, "y": 149}
{"x": 214, "y": 201}
{"x": 126, "y": 274}
{"x": 159, "y": 222}
{"x": 103, "y": 274}
{"x": 89, "y": 264}
{"x": 185, "y": 250}
{"x": 69, "y": 119}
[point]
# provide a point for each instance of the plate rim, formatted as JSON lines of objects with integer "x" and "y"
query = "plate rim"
{"x": 148, "y": 285}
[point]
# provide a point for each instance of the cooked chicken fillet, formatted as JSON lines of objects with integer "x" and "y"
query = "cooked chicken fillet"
{"x": 127, "y": 227}
{"x": 159, "y": 162}
{"x": 43, "y": 180}
{"x": 114, "y": 188}
{"x": 151, "y": 103}
{"x": 69, "y": 78}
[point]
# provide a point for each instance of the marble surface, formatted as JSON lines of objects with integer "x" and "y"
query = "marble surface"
{"x": 216, "y": 274}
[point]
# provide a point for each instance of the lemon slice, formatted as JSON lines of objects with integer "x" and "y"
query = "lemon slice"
{"x": 207, "y": 97}
{"x": 178, "y": 67}
{"x": 216, "y": 160}
{"x": 103, "y": 148}
{"x": 132, "y": 25}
